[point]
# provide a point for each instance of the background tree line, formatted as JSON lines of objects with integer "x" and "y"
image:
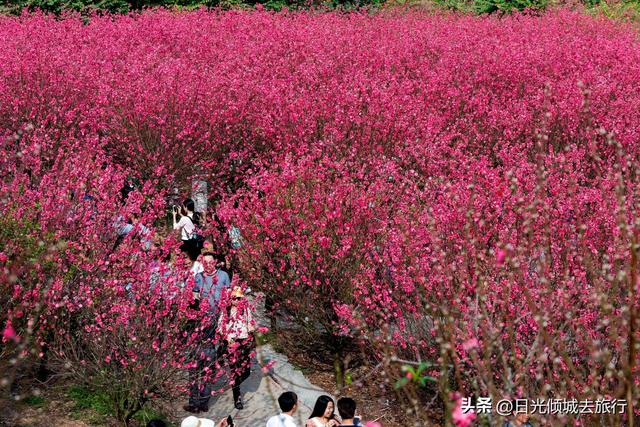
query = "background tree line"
{"x": 618, "y": 9}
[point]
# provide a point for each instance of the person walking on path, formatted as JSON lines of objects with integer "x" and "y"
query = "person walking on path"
{"x": 210, "y": 283}
{"x": 209, "y": 286}
{"x": 288, "y": 402}
{"x": 236, "y": 329}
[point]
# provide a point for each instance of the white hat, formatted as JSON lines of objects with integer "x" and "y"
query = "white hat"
{"x": 197, "y": 422}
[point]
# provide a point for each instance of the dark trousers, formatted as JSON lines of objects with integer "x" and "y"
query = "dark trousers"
{"x": 200, "y": 389}
{"x": 200, "y": 376}
{"x": 239, "y": 361}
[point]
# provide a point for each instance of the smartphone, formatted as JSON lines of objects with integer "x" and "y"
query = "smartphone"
{"x": 230, "y": 421}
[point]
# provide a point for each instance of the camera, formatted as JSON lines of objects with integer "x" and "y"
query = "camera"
{"x": 230, "y": 421}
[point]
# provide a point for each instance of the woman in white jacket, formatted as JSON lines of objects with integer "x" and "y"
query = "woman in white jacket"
{"x": 236, "y": 327}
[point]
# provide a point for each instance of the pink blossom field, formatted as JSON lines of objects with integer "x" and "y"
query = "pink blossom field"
{"x": 450, "y": 201}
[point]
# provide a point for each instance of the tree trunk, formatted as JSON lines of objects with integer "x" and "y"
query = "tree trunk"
{"x": 43, "y": 372}
{"x": 339, "y": 369}
{"x": 199, "y": 195}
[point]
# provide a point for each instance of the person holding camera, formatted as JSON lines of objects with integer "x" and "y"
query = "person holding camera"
{"x": 187, "y": 226}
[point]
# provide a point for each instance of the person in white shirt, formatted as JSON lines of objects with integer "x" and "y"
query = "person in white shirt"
{"x": 187, "y": 226}
{"x": 288, "y": 402}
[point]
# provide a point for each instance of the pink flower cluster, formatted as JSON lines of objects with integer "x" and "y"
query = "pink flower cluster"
{"x": 463, "y": 190}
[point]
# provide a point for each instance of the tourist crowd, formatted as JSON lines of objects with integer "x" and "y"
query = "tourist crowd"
{"x": 232, "y": 322}
{"x": 323, "y": 415}
{"x": 229, "y": 336}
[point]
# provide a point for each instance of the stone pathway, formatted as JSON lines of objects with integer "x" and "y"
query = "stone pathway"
{"x": 260, "y": 391}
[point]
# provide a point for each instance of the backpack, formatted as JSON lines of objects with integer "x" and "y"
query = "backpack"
{"x": 198, "y": 239}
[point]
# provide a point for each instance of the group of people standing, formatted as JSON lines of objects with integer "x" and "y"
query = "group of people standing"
{"x": 229, "y": 336}
{"x": 233, "y": 323}
{"x": 323, "y": 414}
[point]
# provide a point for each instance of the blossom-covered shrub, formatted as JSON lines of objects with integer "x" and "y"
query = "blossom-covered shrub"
{"x": 444, "y": 189}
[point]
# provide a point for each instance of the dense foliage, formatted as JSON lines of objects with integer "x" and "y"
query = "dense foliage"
{"x": 447, "y": 189}
{"x": 88, "y": 7}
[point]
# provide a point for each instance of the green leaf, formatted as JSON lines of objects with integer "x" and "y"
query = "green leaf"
{"x": 348, "y": 379}
{"x": 424, "y": 380}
